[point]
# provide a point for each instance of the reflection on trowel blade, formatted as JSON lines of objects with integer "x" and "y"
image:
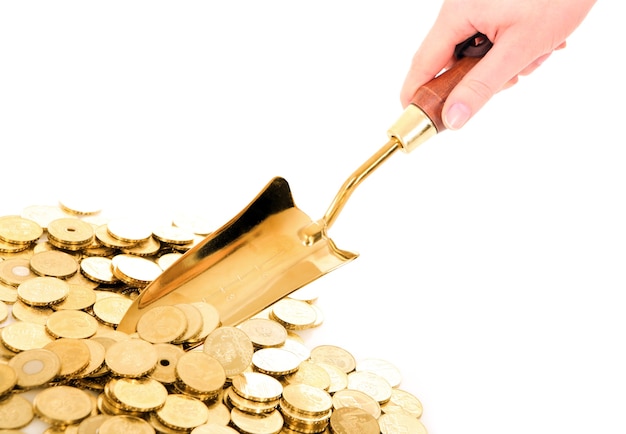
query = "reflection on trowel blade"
{"x": 251, "y": 262}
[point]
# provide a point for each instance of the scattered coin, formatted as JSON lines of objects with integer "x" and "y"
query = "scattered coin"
{"x": 8, "y": 379}
{"x": 381, "y": 367}
{"x": 43, "y": 291}
{"x": 62, "y": 405}
{"x": 162, "y": 324}
{"x": 400, "y": 422}
{"x": 182, "y": 412}
{"x": 231, "y": 347}
{"x": 334, "y": 355}
{"x": 35, "y": 367}
{"x": 15, "y": 412}
{"x": 129, "y": 230}
{"x": 131, "y": 358}
{"x": 349, "y": 420}
{"x": 19, "y": 230}
{"x": 54, "y": 263}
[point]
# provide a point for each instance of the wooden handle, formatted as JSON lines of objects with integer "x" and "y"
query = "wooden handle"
{"x": 431, "y": 96}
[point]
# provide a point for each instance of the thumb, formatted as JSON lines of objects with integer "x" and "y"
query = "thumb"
{"x": 497, "y": 70}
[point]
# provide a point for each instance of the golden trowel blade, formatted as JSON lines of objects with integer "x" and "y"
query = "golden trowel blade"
{"x": 251, "y": 262}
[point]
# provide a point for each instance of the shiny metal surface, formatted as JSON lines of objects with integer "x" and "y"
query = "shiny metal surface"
{"x": 251, "y": 262}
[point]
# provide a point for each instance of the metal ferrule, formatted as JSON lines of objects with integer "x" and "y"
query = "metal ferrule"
{"x": 412, "y": 128}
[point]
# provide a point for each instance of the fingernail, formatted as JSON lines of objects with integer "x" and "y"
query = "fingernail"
{"x": 457, "y": 115}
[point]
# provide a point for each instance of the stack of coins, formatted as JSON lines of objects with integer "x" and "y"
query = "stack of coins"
{"x": 306, "y": 408}
{"x": 181, "y": 371}
{"x": 254, "y": 392}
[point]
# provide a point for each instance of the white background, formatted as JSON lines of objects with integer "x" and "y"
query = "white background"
{"x": 492, "y": 259}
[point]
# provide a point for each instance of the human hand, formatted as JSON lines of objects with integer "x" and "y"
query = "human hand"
{"x": 524, "y": 34}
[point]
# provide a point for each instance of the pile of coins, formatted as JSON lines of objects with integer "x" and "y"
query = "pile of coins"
{"x": 69, "y": 278}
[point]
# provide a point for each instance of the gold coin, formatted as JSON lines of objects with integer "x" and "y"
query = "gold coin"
{"x": 43, "y": 291}
{"x": 62, "y": 405}
{"x": 15, "y": 271}
{"x": 22, "y": 336}
{"x": 15, "y": 412}
{"x": 10, "y": 248}
{"x": 210, "y": 320}
{"x": 73, "y": 353}
{"x": 270, "y": 423}
{"x": 356, "y": 398}
{"x": 91, "y": 424}
{"x": 381, "y": 367}
{"x": 132, "y": 358}
{"x": 319, "y": 320}
{"x": 35, "y": 367}
{"x": 307, "y": 400}
{"x": 81, "y": 280}
{"x": 275, "y": 361}
{"x": 8, "y": 293}
{"x": 97, "y": 249}
{"x": 297, "y": 347}
{"x": 135, "y": 270}
{"x": 18, "y": 230}
{"x": 111, "y": 310}
{"x": 54, "y": 263}
{"x": 159, "y": 427}
{"x": 248, "y": 405}
{"x": 303, "y": 422}
{"x": 194, "y": 322}
{"x": 198, "y": 224}
{"x": 106, "y": 239}
{"x": 149, "y": 247}
{"x": 400, "y": 422}
{"x": 75, "y": 324}
{"x": 231, "y": 347}
{"x": 257, "y": 386}
{"x": 403, "y": 401}
{"x": 162, "y": 324}
{"x": 167, "y": 260}
{"x": 310, "y": 373}
{"x": 43, "y": 214}
{"x": 79, "y": 297}
{"x": 350, "y": 420}
{"x": 82, "y": 205}
{"x": 136, "y": 394}
{"x": 5, "y": 352}
{"x": 173, "y": 235}
{"x": 70, "y": 232}
{"x": 334, "y": 355}
{"x": 107, "y": 406}
{"x": 24, "y": 312}
{"x": 167, "y": 359}
{"x": 264, "y": 333}
{"x": 125, "y": 424}
{"x": 200, "y": 372}
{"x": 372, "y": 384}
{"x": 183, "y": 412}
{"x": 219, "y": 414}
{"x": 308, "y": 293}
{"x": 338, "y": 378}
{"x": 4, "y": 311}
{"x": 294, "y": 314}
{"x": 99, "y": 269}
{"x": 8, "y": 379}
{"x": 97, "y": 352}
{"x": 129, "y": 230}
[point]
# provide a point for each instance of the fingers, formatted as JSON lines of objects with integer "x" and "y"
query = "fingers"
{"x": 498, "y": 70}
{"x": 435, "y": 54}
